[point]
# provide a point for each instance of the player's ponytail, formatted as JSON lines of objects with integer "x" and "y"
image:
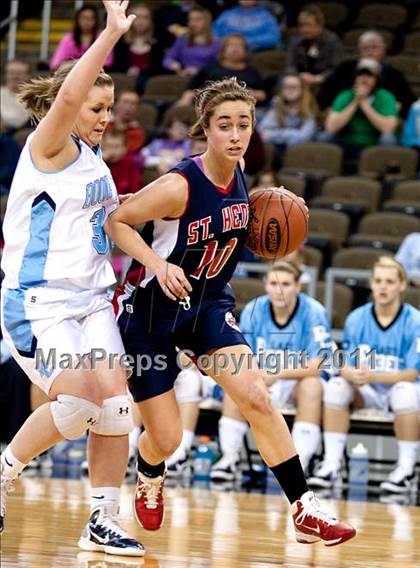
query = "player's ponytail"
{"x": 38, "y": 94}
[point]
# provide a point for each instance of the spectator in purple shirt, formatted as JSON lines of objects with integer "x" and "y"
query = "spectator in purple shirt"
{"x": 75, "y": 43}
{"x": 194, "y": 49}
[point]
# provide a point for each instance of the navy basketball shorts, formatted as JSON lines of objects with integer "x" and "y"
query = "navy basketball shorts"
{"x": 152, "y": 328}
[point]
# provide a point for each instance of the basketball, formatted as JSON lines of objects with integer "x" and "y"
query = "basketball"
{"x": 278, "y": 222}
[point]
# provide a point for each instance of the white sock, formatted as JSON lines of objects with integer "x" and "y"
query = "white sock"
{"x": 335, "y": 444}
{"x": 133, "y": 440}
{"x": 182, "y": 450}
{"x": 407, "y": 454}
{"x": 106, "y": 497}
{"x": 11, "y": 466}
{"x": 231, "y": 434}
{"x": 306, "y": 437}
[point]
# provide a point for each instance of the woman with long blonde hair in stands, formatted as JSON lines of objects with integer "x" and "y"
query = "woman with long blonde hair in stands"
{"x": 292, "y": 116}
{"x": 56, "y": 318}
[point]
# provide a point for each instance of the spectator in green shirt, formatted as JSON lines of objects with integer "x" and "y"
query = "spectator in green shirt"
{"x": 364, "y": 115}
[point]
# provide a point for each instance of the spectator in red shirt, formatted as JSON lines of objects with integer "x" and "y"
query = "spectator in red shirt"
{"x": 126, "y": 167}
{"x": 126, "y": 112}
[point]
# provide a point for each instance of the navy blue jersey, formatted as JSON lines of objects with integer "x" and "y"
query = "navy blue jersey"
{"x": 207, "y": 240}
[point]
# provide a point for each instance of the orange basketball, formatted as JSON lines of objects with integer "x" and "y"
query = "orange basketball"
{"x": 278, "y": 222}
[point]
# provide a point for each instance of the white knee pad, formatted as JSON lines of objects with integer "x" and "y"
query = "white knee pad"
{"x": 116, "y": 418}
{"x": 404, "y": 398}
{"x": 338, "y": 394}
{"x": 73, "y": 415}
{"x": 188, "y": 385}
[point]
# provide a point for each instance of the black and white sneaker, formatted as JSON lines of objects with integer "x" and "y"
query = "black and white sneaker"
{"x": 400, "y": 481}
{"x": 227, "y": 468}
{"x": 104, "y": 534}
{"x": 180, "y": 468}
{"x": 7, "y": 485}
{"x": 325, "y": 477}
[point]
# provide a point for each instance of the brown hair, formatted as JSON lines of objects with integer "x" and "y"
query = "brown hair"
{"x": 208, "y": 34}
{"x": 390, "y": 262}
{"x": 215, "y": 93}
{"x": 285, "y": 266}
{"x": 76, "y": 27}
{"x": 308, "y": 107}
{"x": 314, "y": 11}
{"x": 225, "y": 42}
{"x": 38, "y": 94}
{"x": 130, "y": 35}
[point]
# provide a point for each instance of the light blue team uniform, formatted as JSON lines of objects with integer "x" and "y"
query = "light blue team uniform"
{"x": 56, "y": 263}
{"x": 306, "y": 335}
{"x": 384, "y": 349}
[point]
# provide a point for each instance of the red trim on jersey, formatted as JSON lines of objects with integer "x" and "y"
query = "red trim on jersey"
{"x": 134, "y": 278}
{"x": 187, "y": 204}
{"x": 227, "y": 189}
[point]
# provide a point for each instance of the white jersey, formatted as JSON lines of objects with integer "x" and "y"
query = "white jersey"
{"x": 53, "y": 227}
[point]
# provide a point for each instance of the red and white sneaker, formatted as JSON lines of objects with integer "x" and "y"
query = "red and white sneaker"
{"x": 312, "y": 524}
{"x": 148, "y": 501}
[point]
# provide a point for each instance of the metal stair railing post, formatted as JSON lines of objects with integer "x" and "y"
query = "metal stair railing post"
{"x": 11, "y": 42}
{"x": 46, "y": 20}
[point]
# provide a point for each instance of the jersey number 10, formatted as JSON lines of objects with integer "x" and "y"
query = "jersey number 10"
{"x": 215, "y": 262}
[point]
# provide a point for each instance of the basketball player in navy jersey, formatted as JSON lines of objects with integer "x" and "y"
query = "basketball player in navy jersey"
{"x": 176, "y": 294}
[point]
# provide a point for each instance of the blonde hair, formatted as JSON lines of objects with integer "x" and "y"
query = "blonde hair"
{"x": 285, "y": 266}
{"x": 38, "y": 94}
{"x": 215, "y": 93}
{"x": 308, "y": 107}
{"x": 390, "y": 262}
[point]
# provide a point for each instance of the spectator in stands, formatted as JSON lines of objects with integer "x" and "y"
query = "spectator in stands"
{"x": 411, "y": 130}
{"x": 163, "y": 153}
{"x": 74, "y": 44}
{"x": 171, "y": 20}
{"x": 314, "y": 52}
{"x": 291, "y": 118}
{"x": 381, "y": 342}
{"x": 13, "y": 114}
{"x": 233, "y": 60}
{"x": 125, "y": 166}
{"x": 194, "y": 49}
{"x": 364, "y": 115}
{"x": 9, "y": 152}
{"x": 266, "y": 178}
{"x": 371, "y": 44}
{"x": 257, "y": 24}
{"x": 138, "y": 53}
{"x": 288, "y": 332}
{"x": 126, "y": 119}
{"x": 409, "y": 256}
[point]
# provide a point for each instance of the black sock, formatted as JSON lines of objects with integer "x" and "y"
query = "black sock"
{"x": 149, "y": 470}
{"x": 291, "y": 478}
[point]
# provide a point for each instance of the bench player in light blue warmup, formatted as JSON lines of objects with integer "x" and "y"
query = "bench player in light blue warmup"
{"x": 382, "y": 341}
{"x": 291, "y": 334}
{"x": 57, "y": 271}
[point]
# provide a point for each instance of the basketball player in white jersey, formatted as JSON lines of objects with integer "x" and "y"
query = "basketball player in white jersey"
{"x": 54, "y": 304}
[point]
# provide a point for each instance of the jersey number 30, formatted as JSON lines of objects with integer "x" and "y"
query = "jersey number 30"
{"x": 99, "y": 240}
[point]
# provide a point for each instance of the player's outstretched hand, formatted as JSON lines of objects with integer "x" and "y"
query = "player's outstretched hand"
{"x": 173, "y": 281}
{"x": 117, "y": 20}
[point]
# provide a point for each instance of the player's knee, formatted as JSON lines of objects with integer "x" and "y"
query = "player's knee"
{"x": 338, "y": 394}
{"x": 403, "y": 398}
{"x": 188, "y": 386}
{"x": 254, "y": 396}
{"x": 115, "y": 418}
{"x": 73, "y": 415}
{"x": 310, "y": 388}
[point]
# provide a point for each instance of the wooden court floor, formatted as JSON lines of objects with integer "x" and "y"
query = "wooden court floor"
{"x": 202, "y": 529}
